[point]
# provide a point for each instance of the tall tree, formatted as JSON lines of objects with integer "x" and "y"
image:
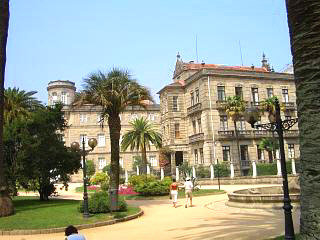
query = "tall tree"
{"x": 6, "y": 207}
{"x": 235, "y": 108}
{"x": 141, "y": 137}
{"x": 270, "y": 146}
{"x": 19, "y": 104}
{"x": 114, "y": 91}
{"x": 304, "y": 28}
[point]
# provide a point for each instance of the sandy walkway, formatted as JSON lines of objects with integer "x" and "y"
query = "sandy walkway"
{"x": 210, "y": 218}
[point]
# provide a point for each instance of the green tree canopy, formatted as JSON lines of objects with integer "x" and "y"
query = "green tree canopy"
{"x": 141, "y": 137}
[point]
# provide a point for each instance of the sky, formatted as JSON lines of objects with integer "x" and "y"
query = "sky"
{"x": 69, "y": 39}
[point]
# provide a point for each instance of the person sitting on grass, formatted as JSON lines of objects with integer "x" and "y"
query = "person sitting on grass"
{"x": 72, "y": 233}
{"x": 188, "y": 190}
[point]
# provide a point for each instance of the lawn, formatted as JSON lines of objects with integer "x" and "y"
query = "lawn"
{"x": 181, "y": 194}
{"x": 31, "y": 213}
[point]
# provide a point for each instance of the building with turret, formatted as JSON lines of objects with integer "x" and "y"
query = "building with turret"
{"x": 194, "y": 123}
{"x": 84, "y": 123}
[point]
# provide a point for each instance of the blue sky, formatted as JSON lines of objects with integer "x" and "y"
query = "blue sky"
{"x": 68, "y": 39}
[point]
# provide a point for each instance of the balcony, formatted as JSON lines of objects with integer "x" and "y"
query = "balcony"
{"x": 256, "y": 105}
{"x": 225, "y": 134}
{"x": 245, "y": 164}
{"x": 196, "y": 138}
{"x": 221, "y": 105}
{"x": 194, "y": 109}
{"x": 289, "y": 105}
{"x": 244, "y": 133}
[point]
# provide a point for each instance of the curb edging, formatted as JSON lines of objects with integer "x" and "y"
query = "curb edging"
{"x": 79, "y": 227}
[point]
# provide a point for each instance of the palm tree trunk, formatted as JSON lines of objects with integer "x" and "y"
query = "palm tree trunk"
{"x": 6, "y": 207}
{"x": 144, "y": 158}
{"x": 238, "y": 145}
{"x": 303, "y": 21}
{"x": 114, "y": 129}
{"x": 270, "y": 156}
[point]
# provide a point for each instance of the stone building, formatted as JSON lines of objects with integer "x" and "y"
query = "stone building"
{"x": 194, "y": 123}
{"x": 84, "y": 122}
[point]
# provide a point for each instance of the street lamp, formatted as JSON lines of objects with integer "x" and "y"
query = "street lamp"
{"x": 76, "y": 146}
{"x": 252, "y": 116}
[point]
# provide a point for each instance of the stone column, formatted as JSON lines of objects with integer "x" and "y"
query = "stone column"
{"x": 194, "y": 172}
{"x": 173, "y": 164}
{"x": 231, "y": 170}
{"x": 293, "y": 165}
{"x": 126, "y": 177}
{"x": 254, "y": 169}
{"x": 212, "y": 172}
{"x": 177, "y": 174}
{"x": 148, "y": 169}
{"x": 138, "y": 170}
{"x": 278, "y": 167}
{"x": 161, "y": 173}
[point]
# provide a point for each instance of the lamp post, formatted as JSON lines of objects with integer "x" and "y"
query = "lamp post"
{"x": 76, "y": 146}
{"x": 278, "y": 126}
{"x": 218, "y": 173}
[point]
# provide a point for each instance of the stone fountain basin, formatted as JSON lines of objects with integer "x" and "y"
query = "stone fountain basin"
{"x": 261, "y": 198}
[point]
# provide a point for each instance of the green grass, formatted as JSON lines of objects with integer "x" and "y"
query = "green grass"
{"x": 181, "y": 194}
{"x": 80, "y": 190}
{"x": 31, "y": 213}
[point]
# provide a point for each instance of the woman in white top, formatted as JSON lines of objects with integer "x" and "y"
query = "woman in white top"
{"x": 188, "y": 190}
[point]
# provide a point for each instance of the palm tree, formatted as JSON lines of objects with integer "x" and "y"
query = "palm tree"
{"x": 270, "y": 146}
{"x": 18, "y": 104}
{"x": 6, "y": 206}
{"x": 114, "y": 91}
{"x": 235, "y": 107}
{"x": 303, "y": 21}
{"x": 141, "y": 137}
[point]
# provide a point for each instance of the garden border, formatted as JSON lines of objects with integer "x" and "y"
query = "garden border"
{"x": 79, "y": 227}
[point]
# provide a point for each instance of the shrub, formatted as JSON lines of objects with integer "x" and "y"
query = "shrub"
{"x": 224, "y": 170}
{"x": 100, "y": 178}
{"x": 203, "y": 172}
{"x": 149, "y": 185}
{"x": 265, "y": 169}
{"x": 91, "y": 169}
{"x": 99, "y": 202}
{"x": 185, "y": 169}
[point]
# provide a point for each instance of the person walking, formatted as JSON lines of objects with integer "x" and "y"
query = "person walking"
{"x": 174, "y": 192}
{"x": 188, "y": 190}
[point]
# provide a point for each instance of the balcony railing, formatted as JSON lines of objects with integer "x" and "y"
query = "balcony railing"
{"x": 194, "y": 109}
{"x": 291, "y": 133}
{"x": 254, "y": 134}
{"x": 225, "y": 134}
{"x": 196, "y": 138}
{"x": 245, "y": 164}
{"x": 221, "y": 105}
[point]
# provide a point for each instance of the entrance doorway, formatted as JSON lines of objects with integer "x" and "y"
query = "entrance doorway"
{"x": 179, "y": 158}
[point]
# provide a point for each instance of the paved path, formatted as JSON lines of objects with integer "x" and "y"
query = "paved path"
{"x": 210, "y": 218}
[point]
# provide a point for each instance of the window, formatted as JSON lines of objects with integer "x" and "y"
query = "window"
{"x": 197, "y": 95}
{"x": 195, "y": 156}
{"x": 102, "y": 162}
{"x": 244, "y": 155}
{"x": 176, "y": 130}
{"x": 285, "y": 95}
{"x": 164, "y": 130}
{"x": 221, "y": 93}
{"x": 83, "y": 118}
{"x": 238, "y": 91}
{"x": 290, "y": 151}
{"x": 258, "y": 123}
{"x": 241, "y": 124}
{"x": 226, "y": 153}
{"x": 201, "y": 155}
{"x": 54, "y": 98}
{"x": 101, "y": 140}
{"x": 153, "y": 161}
{"x": 194, "y": 126}
{"x": 175, "y": 104}
{"x": 192, "y": 98}
{"x": 85, "y": 138}
{"x": 121, "y": 161}
{"x": 223, "y": 123}
{"x": 168, "y": 130}
{"x": 151, "y": 117}
{"x": 260, "y": 153}
{"x": 199, "y": 125}
{"x": 255, "y": 96}
{"x": 269, "y": 92}
{"x": 64, "y": 97}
